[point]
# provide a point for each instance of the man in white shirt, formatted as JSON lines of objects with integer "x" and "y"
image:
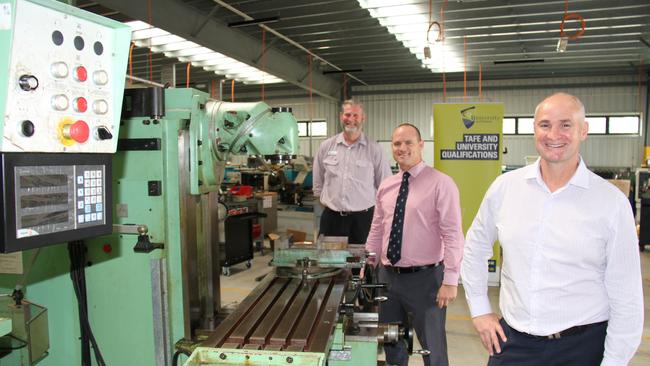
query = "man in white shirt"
{"x": 571, "y": 290}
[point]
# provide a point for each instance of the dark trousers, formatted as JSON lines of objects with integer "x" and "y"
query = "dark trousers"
{"x": 583, "y": 349}
{"x": 415, "y": 294}
{"x": 355, "y": 226}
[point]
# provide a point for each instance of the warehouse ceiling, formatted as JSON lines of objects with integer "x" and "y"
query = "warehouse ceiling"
{"x": 310, "y": 42}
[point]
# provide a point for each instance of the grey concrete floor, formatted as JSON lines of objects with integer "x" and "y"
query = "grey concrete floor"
{"x": 464, "y": 346}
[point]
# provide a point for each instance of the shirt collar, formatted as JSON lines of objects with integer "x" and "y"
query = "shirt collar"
{"x": 580, "y": 177}
{"x": 416, "y": 169}
{"x": 341, "y": 140}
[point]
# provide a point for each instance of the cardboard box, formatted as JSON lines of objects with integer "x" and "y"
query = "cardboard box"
{"x": 297, "y": 236}
{"x": 623, "y": 185}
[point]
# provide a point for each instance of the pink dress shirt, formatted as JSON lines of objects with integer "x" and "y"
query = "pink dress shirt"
{"x": 432, "y": 223}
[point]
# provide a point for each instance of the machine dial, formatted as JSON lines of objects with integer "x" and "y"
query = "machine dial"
{"x": 28, "y": 82}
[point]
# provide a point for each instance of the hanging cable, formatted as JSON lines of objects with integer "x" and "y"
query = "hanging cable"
{"x": 572, "y": 16}
{"x": 311, "y": 93}
{"x": 150, "y": 57}
{"x": 187, "y": 75}
{"x": 442, "y": 32}
{"x": 480, "y": 82}
{"x": 640, "y": 76}
{"x": 77, "y": 255}
{"x": 213, "y": 88}
{"x": 263, "y": 59}
{"x": 232, "y": 90}
{"x": 131, "y": 63}
{"x": 465, "y": 68}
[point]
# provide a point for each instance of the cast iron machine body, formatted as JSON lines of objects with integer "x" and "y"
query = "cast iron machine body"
{"x": 309, "y": 310}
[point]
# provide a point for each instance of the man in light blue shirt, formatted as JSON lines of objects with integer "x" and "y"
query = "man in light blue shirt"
{"x": 571, "y": 289}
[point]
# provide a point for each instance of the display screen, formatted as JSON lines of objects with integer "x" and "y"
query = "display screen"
{"x": 38, "y": 181}
{"x": 49, "y": 218}
{"x": 38, "y": 200}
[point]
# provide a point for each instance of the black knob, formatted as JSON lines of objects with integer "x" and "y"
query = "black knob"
{"x": 103, "y": 133}
{"x": 28, "y": 82}
{"x": 27, "y": 128}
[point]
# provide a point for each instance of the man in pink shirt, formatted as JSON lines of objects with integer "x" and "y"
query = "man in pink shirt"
{"x": 417, "y": 235}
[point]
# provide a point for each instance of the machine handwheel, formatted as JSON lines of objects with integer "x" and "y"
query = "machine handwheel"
{"x": 225, "y": 271}
{"x": 248, "y": 264}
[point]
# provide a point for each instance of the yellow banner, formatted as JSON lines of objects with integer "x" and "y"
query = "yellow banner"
{"x": 468, "y": 143}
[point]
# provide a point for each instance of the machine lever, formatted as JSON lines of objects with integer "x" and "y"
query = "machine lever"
{"x": 144, "y": 245}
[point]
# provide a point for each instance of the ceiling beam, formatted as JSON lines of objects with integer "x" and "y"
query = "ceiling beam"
{"x": 230, "y": 42}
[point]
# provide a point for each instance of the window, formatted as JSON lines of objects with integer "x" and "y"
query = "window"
{"x": 509, "y": 126}
{"x": 525, "y": 126}
{"x": 312, "y": 128}
{"x": 319, "y": 128}
{"x": 598, "y": 125}
{"x": 302, "y": 129}
{"x": 624, "y": 125}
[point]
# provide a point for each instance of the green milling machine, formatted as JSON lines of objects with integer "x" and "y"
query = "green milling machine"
{"x": 130, "y": 181}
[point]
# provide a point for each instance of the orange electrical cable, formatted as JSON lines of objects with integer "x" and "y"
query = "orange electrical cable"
{"x": 263, "y": 59}
{"x": 465, "y": 67}
{"x": 131, "y": 63}
{"x": 311, "y": 94}
{"x": 213, "y": 88}
{"x": 232, "y": 90}
{"x": 187, "y": 75}
{"x": 480, "y": 82}
{"x": 150, "y": 19}
{"x": 639, "y": 84}
{"x": 442, "y": 33}
{"x": 572, "y": 16}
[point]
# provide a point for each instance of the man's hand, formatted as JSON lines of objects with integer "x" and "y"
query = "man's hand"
{"x": 446, "y": 294}
{"x": 489, "y": 330}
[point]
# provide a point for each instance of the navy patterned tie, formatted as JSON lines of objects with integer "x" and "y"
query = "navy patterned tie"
{"x": 395, "y": 241}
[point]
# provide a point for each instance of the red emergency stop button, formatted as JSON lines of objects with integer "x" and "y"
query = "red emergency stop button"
{"x": 80, "y": 104}
{"x": 78, "y": 131}
{"x": 80, "y": 73}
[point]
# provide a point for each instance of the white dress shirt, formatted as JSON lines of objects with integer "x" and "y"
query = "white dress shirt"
{"x": 570, "y": 257}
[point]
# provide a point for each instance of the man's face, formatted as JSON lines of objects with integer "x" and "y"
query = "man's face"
{"x": 407, "y": 148}
{"x": 352, "y": 118}
{"x": 559, "y": 129}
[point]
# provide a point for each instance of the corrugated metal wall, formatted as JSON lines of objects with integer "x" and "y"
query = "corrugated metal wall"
{"x": 388, "y": 105}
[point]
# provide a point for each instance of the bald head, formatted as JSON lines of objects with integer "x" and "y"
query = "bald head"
{"x": 562, "y": 99}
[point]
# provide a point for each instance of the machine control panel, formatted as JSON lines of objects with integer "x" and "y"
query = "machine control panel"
{"x": 63, "y": 91}
{"x": 54, "y": 197}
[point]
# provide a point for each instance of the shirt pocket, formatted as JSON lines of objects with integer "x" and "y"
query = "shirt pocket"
{"x": 331, "y": 165}
{"x": 363, "y": 171}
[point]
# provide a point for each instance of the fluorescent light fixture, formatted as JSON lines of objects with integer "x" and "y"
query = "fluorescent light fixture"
{"x": 561, "y": 44}
{"x": 173, "y": 46}
{"x": 245, "y": 23}
{"x": 408, "y": 20}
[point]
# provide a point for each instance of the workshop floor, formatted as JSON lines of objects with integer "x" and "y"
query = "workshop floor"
{"x": 464, "y": 346}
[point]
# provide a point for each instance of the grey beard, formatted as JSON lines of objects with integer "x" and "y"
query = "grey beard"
{"x": 351, "y": 129}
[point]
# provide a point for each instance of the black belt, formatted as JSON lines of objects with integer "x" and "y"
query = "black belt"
{"x": 567, "y": 332}
{"x": 347, "y": 213}
{"x": 400, "y": 270}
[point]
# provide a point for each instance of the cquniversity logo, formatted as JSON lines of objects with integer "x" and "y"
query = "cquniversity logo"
{"x": 468, "y": 117}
